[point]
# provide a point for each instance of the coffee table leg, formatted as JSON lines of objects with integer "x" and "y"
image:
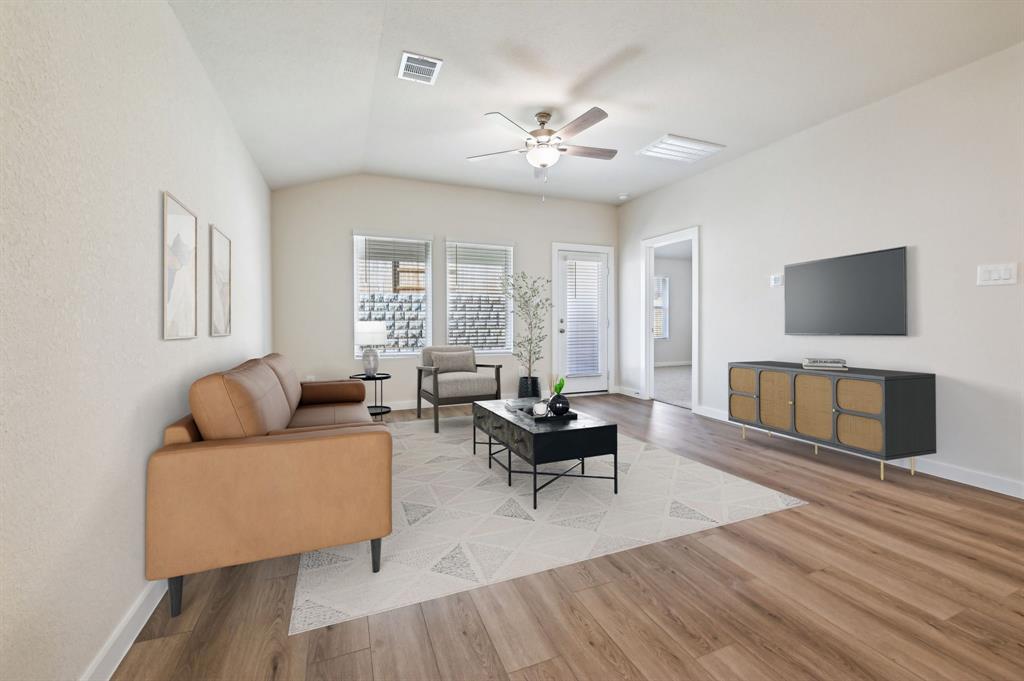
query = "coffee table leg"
{"x": 509, "y": 466}
{"x": 583, "y": 466}
{"x": 534, "y": 487}
{"x": 489, "y": 455}
{"x": 615, "y": 469}
{"x": 474, "y": 438}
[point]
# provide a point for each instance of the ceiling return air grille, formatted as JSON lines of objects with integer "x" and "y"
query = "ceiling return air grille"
{"x": 678, "y": 148}
{"x": 419, "y": 69}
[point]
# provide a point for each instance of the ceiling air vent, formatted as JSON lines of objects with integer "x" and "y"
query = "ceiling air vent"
{"x": 419, "y": 69}
{"x": 677, "y": 148}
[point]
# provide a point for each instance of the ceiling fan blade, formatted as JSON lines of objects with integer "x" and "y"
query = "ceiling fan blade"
{"x": 592, "y": 117}
{"x": 588, "y": 152}
{"x": 520, "y": 131}
{"x": 495, "y": 153}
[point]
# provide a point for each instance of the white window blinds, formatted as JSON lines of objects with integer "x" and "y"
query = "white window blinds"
{"x": 661, "y": 308}
{"x": 479, "y": 311}
{"x": 583, "y": 296}
{"x": 392, "y": 285}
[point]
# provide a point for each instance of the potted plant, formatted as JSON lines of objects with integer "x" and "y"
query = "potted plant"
{"x": 531, "y": 304}
{"x": 558, "y": 404}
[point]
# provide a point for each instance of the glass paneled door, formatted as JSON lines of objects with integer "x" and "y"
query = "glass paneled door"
{"x": 581, "y": 320}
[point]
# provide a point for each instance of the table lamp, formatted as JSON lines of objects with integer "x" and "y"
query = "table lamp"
{"x": 368, "y": 335}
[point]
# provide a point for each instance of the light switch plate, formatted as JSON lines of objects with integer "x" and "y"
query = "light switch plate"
{"x": 997, "y": 275}
{"x": 775, "y": 280}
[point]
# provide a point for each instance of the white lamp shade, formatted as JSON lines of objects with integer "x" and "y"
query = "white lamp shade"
{"x": 371, "y": 333}
{"x": 543, "y": 156}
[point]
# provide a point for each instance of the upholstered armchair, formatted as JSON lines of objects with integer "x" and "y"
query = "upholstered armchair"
{"x": 448, "y": 375}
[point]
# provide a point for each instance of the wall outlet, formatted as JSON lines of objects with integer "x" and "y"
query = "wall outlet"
{"x": 997, "y": 275}
{"x": 775, "y": 280}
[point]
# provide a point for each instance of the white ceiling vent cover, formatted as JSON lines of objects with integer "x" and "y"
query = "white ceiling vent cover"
{"x": 678, "y": 148}
{"x": 419, "y": 69}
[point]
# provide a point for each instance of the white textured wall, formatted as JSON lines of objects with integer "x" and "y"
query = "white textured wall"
{"x": 313, "y": 226}
{"x": 105, "y": 106}
{"x": 676, "y": 348}
{"x": 938, "y": 168}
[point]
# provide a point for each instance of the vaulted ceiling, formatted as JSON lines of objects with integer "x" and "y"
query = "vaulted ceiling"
{"x": 312, "y": 86}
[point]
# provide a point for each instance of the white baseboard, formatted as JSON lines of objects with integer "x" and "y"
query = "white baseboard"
{"x": 120, "y": 640}
{"x": 939, "y": 469}
{"x": 672, "y": 364}
{"x": 625, "y": 390}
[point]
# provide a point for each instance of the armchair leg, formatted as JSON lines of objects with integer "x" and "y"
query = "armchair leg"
{"x": 375, "y": 554}
{"x": 176, "y": 585}
{"x": 419, "y": 405}
{"x": 436, "y": 429}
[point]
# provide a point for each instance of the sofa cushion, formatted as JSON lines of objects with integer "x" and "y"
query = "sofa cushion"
{"x": 330, "y": 415}
{"x": 286, "y": 374}
{"x": 243, "y": 402}
{"x": 427, "y": 354}
{"x": 462, "y": 384}
{"x": 447, "y": 362}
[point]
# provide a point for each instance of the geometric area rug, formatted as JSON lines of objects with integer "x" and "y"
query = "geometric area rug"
{"x": 459, "y": 526}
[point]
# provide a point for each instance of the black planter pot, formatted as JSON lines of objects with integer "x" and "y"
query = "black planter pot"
{"x": 529, "y": 386}
{"x": 558, "y": 404}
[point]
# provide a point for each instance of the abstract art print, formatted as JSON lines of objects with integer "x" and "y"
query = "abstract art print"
{"x": 220, "y": 283}
{"x": 180, "y": 234}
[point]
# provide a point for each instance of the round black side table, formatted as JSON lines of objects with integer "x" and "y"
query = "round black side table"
{"x": 376, "y": 409}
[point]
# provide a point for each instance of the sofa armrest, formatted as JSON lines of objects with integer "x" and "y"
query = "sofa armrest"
{"x": 429, "y": 370}
{"x": 332, "y": 392}
{"x": 226, "y": 502}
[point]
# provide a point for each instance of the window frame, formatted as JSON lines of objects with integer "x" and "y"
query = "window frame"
{"x": 664, "y": 307}
{"x": 509, "y": 316}
{"x": 428, "y": 295}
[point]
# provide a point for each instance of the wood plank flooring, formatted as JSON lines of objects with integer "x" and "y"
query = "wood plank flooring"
{"x": 913, "y": 578}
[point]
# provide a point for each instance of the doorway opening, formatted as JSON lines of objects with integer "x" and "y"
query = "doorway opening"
{"x": 671, "y": 353}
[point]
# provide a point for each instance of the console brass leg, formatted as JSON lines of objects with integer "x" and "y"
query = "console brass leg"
{"x": 769, "y": 434}
{"x": 913, "y": 462}
{"x": 815, "y": 450}
{"x": 881, "y": 470}
{"x": 743, "y": 432}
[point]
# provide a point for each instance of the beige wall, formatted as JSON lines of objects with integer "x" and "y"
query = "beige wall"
{"x": 105, "y": 106}
{"x": 313, "y": 226}
{"x": 676, "y": 348}
{"x": 937, "y": 168}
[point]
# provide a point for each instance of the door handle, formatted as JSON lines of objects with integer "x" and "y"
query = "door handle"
{"x": 561, "y": 331}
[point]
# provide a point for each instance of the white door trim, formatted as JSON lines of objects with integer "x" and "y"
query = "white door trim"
{"x": 691, "y": 234}
{"x": 611, "y": 362}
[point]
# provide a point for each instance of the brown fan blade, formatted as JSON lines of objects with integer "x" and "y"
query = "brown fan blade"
{"x": 592, "y": 117}
{"x": 495, "y": 153}
{"x": 588, "y": 152}
{"x": 520, "y": 131}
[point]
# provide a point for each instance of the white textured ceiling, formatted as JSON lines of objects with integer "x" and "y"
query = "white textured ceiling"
{"x": 312, "y": 86}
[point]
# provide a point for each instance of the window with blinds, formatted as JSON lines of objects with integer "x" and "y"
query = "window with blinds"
{"x": 583, "y": 296}
{"x": 661, "y": 308}
{"x": 392, "y": 285}
{"x": 479, "y": 311}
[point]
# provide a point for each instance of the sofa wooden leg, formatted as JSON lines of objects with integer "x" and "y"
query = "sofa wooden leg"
{"x": 375, "y": 554}
{"x": 176, "y": 585}
{"x": 436, "y": 429}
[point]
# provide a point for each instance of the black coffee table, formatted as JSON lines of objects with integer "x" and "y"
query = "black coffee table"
{"x": 544, "y": 442}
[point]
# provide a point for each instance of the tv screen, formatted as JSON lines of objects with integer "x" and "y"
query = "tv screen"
{"x": 863, "y": 294}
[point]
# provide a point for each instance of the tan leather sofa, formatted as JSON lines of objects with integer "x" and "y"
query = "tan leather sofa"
{"x": 265, "y": 466}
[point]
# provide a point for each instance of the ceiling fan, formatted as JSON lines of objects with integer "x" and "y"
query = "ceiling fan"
{"x": 543, "y": 146}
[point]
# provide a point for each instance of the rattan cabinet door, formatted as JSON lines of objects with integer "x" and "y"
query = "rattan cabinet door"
{"x": 813, "y": 406}
{"x": 776, "y": 400}
{"x": 860, "y": 432}
{"x": 857, "y": 395}
{"x": 743, "y": 408}
{"x": 741, "y": 379}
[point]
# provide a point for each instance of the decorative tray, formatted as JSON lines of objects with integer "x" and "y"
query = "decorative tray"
{"x": 551, "y": 418}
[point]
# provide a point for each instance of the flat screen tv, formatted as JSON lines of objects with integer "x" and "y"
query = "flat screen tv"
{"x": 863, "y": 294}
